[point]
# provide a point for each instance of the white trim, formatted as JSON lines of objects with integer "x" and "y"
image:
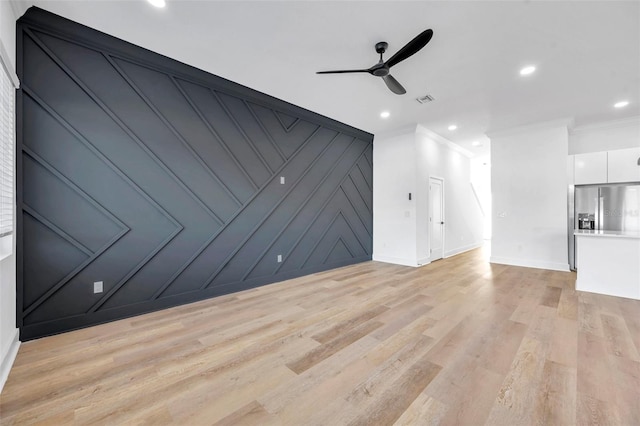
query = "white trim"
{"x": 409, "y": 129}
{"x": 554, "y": 266}
{"x": 443, "y": 213}
{"x": 420, "y": 129}
{"x": 396, "y": 260}
{"x": 7, "y": 149}
{"x": 612, "y": 124}
{"x": 463, "y": 249}
{"x": 8, "y": 68}
{"x": 475, "y": 196}
{"x": 564, "y": 122}
{"x": 9, "y": 358}
{"x": 424, "y": 261}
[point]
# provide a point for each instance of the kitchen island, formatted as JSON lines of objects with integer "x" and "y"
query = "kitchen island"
{"x": 608, "y": 262}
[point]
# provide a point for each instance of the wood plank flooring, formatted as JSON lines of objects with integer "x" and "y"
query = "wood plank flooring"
{"x": 459, "y": 341}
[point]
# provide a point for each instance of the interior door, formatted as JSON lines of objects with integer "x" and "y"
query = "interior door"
{"x": 436, "y": 218}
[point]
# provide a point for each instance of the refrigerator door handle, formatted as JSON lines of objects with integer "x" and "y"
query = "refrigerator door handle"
{"x": 600, "y": 220}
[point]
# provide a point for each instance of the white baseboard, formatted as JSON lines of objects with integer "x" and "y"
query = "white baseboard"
{"x": 395, "y": 260}
{"x": 9, "y": 358}
{"x": 463, "y": 249}
{"x": 424, "y": 261}
{"x": 528, "y": 263}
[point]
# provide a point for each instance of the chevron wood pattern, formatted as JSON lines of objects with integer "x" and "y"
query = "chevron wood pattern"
{"x": 163, "y": 182}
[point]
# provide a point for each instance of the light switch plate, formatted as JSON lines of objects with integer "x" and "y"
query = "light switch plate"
{"x": 98, "y": 287}
{"x": 282, "y": 180}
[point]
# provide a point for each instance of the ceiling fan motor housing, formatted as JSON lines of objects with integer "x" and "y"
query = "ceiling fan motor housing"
{"x": 381, "y": 47}
{"x": 380, "y": 70}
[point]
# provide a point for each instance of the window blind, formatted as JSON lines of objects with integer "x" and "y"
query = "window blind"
{"x": 7, "y": 143}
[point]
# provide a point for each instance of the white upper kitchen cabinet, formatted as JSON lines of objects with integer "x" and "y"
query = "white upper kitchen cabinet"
{"x": 623, "y": 165}
{"x": 591, "y": 168}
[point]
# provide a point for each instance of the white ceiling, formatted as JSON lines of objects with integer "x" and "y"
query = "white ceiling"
{"x": 587, "y": 56}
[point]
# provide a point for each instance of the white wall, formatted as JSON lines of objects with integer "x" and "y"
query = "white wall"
{"x": 462, "y": 214}
{"x": 481, "y": 182}
{"x": 529, "y": 192}
{"x": 403, "y": 161}
{"x": 394, "y": 215}
{"x": 607, "y": 136}
{"x": 8, "y": 332}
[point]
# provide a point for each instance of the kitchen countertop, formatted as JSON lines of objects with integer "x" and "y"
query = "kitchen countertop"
{"x": 615, "y": 234}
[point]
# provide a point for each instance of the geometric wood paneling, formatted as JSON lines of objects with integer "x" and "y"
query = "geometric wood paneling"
{"x": 163, "y": 181}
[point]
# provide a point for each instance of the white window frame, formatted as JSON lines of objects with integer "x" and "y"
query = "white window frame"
{"x": 8, "y": 84}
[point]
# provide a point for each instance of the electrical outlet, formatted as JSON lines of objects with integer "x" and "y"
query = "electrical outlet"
{"x": 98, "y": 287}
{"x": 281, "y": 180}
{"x": 279, "y": 258}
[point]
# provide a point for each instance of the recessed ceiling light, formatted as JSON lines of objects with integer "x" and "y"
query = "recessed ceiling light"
{"x": 476, "y": 143}
{"x": 158, "y": 3}
{"x": 527, "y": 70}
{"x": 621, "y": 104}
{"x": 452, "y": 127}
{"x": 385, "y": 114}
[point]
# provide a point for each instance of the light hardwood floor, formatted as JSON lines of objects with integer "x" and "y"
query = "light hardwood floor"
{"x": 459, "y": 341}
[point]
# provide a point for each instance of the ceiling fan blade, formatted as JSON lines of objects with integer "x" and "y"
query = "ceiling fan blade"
{"x": 410, "y": 48}
{"x": 340, "y": 71}
{"x": 393, "y": 85}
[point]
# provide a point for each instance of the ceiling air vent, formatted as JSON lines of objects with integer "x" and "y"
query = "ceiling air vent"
{"x": 425, "y": 99}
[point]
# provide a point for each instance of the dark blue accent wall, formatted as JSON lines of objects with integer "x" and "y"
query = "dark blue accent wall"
{"x": 164, "y": 182}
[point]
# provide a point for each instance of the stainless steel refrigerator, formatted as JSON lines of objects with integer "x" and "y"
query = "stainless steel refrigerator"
{"x": 604, "y": 208}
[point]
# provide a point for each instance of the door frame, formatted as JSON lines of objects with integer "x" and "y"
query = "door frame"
{"x": 441, "y": 179}
{"x": 442, "y": 204}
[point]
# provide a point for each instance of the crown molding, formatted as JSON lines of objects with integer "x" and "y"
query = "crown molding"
{"x": 420, "y": 129}
{"x": 604, "y": 125}
{"x": 562, "y": 122}
{"x": 409, "y": 129}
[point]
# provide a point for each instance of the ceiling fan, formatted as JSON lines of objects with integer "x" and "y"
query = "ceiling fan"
{"x": 381, "y": 69}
